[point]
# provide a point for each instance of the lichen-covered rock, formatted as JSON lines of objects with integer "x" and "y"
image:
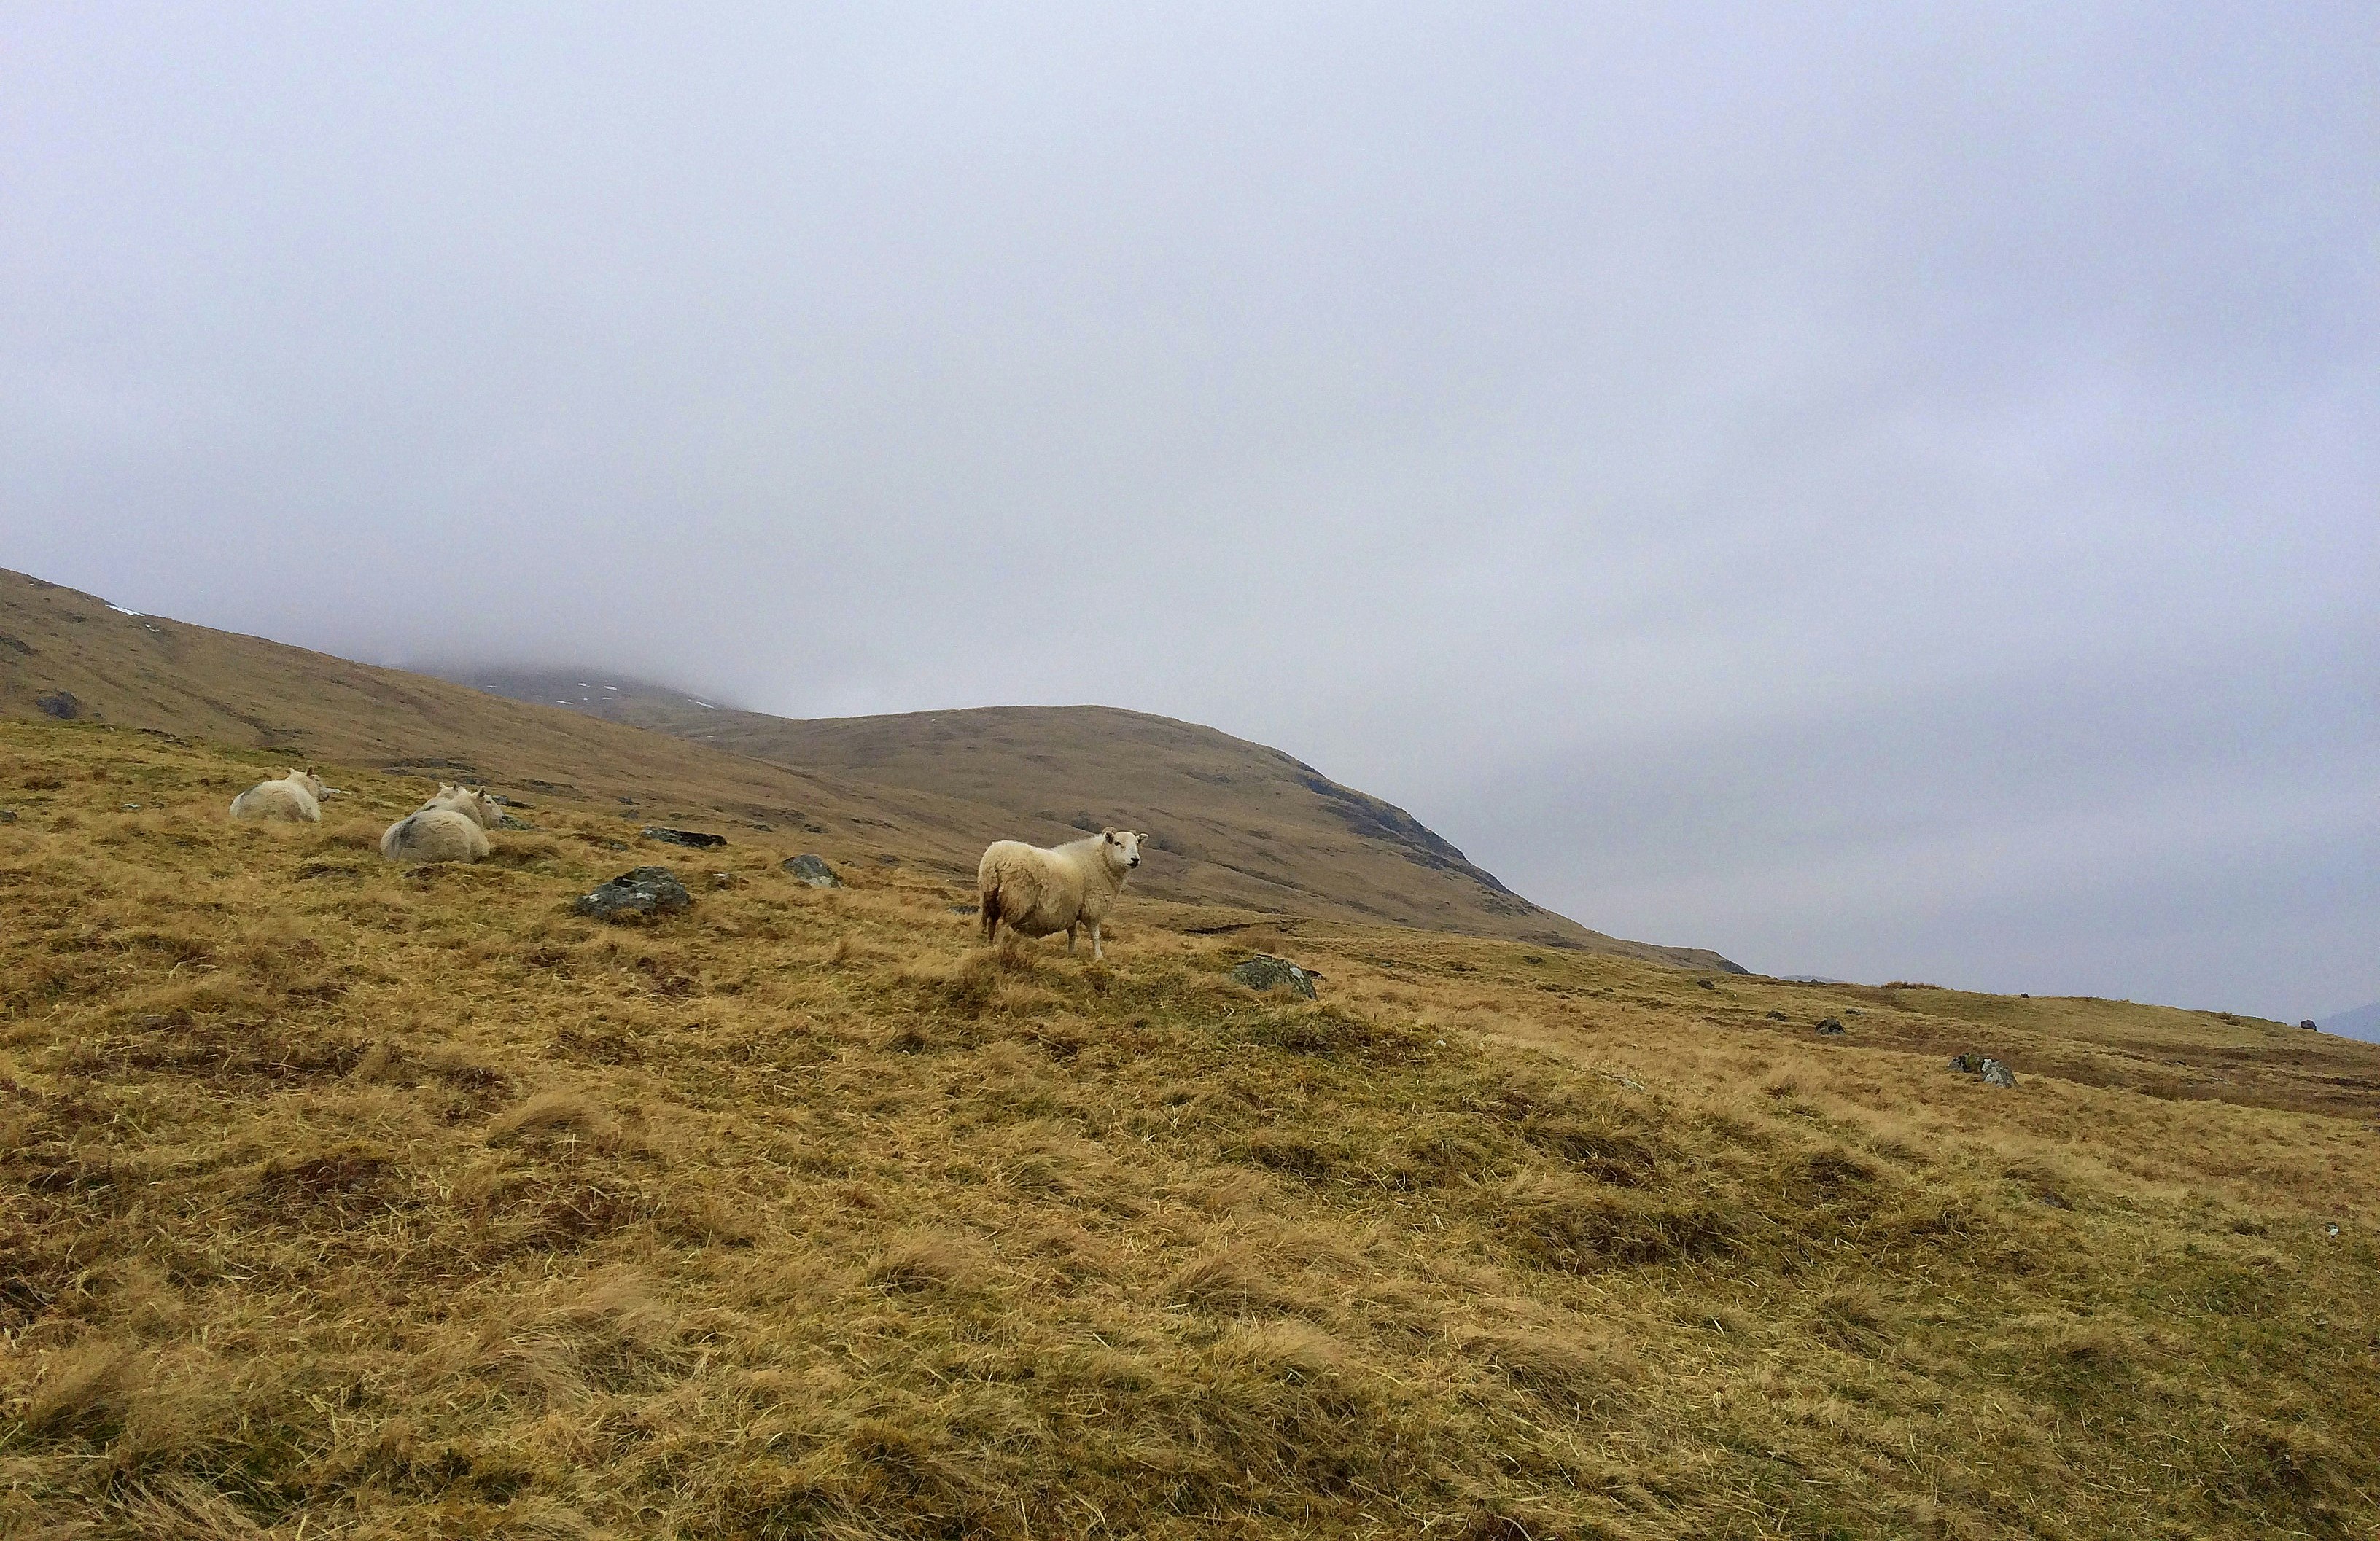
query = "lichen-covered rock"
{"x": 811, "y": 868}
{"x": 637, "y": 895}
{"x": 695, "y": 839}
{"x": 1998, "y": 1074}
{"x": 1968, "y": 1064}
{"x": 1830, "y": 1028}
{"x": 1266, "y": 972}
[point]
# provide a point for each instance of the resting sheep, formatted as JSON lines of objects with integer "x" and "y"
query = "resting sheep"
{"x": 1034, "y": 889}
{"x": 453, "y": 826}
{"x": 475, "y": 803}
{"x": 297, "y": 796}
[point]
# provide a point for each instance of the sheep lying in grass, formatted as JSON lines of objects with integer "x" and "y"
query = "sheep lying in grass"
{"x": 297, "y": 796}
{"x": 1035, "y": 890}
{"x": 453, "y": 826}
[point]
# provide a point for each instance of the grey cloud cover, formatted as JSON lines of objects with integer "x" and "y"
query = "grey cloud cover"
{"x": 1881, "y": 492}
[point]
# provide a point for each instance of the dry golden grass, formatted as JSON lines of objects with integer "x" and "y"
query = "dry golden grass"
{"x": 342, "y": 1199}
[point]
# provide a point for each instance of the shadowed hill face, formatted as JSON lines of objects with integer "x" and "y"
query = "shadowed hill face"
{"x": 1234, "y": 823}
{"x": 1241, "y": 823}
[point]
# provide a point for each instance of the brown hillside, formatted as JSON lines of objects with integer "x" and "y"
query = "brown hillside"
{"x": 1260, "y": 839}
{"x": 1241, "y": 823}
{"x": 344, "y": 1200}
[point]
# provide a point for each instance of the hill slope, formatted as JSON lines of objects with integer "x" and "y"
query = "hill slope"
{"x": 1243, "y": 823}
{"x": 70, "y": 655}
{"x": 337, "y": 1199}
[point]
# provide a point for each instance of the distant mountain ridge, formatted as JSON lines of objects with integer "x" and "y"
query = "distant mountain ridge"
{"x": 2363, "y": 1023}
{"x": 1235, "y": 824}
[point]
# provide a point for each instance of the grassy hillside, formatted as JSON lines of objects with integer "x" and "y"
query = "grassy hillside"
{"x": 1235, "y": 822}
{"x": 1259, "y": 837}
{"x": 342, "y": 1200}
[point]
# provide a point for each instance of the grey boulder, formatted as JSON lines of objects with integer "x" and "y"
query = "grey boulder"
{"x": 1830, "y": 1028}
{"x": 1998, "y": 1074}
{"x": 637, "y": 895}
{"x": 1266, "y": 972}
{"x": 811, "y": 868}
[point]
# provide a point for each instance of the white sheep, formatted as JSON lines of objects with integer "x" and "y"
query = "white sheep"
{"x": 474, "y": 803}
{"x": 1035, "y": 890}
{"x": 297, "y": 796}
{"x": 453, "y": 826}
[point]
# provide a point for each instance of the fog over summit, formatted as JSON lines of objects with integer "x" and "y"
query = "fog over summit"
{"x": 1877, "y": 495}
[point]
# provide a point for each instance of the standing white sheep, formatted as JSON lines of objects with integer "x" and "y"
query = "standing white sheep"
{"x": 453, "y": 826}
{"x": 297, "y": 796}
{"x": 1035, "y": 890}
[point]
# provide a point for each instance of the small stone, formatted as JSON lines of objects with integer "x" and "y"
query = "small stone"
{"x": 1266, "y": 972}
{"x": 1778, "y": 1016}
{"x": 637, "y": 895}
{"x": 8, "y": 816}
{"x": 1706, "y": 984}
{"x": 1998, "y": 1074}
{"x": 811, "y": 868}
{"x": 695, "y": 839}
{"x": 132, "y": 808}
{"x": 726, "y": 880}
{"x": 2309, "y": 1027}
{"x": 1830, "y": 1028}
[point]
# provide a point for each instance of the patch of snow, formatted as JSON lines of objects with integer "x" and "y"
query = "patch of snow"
{"x": 121, "y": 610}
{"x": 705, "y": 705}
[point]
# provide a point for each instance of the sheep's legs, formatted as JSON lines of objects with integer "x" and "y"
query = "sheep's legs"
{"x": 1070, "y": 941}
{"x": 1098, "y": 954}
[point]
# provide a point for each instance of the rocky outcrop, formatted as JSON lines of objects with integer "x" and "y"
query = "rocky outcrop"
{"x": 692, "y": 839}
{"x": 1265, "y": 972}
{"x": 811, "y": 868}
{"x": 641, "y": 894}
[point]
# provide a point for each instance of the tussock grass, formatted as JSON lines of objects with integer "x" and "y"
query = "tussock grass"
{"x": 334, "y": 1199}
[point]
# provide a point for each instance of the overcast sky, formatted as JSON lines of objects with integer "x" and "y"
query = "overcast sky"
{"x": 1885, "y": 492}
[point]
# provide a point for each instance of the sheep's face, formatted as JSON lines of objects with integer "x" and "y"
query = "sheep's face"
{"x": 312, "y": 782}
{"x": 1123, "y": 847}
